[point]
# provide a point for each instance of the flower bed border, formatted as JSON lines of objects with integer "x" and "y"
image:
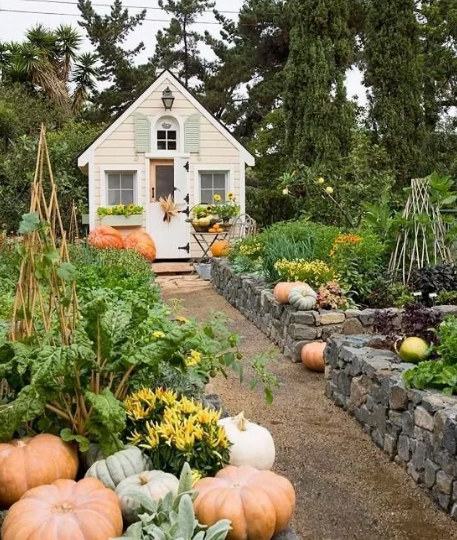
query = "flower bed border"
{"x": 416, "y": 428}
{"x": 284, "y": 325}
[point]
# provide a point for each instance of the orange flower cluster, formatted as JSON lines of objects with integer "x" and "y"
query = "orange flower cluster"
{"x": 344, "y": 240}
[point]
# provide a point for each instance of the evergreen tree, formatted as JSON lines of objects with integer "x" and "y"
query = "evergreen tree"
{"x": 178, "y": 46}
{"x": 319, "y": 117}
{"x": 394, "y": 76}
{"x": 108, "y": 34}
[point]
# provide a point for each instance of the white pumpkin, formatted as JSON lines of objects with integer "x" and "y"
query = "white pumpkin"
{"x": 252, "y": 444}
{"x": 153, "y": 484}
{"x": 303, "y": 298}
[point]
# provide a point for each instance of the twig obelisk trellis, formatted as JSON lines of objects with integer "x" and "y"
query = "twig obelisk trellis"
{"x": 422, "y": 241}
{"x": 73, "y": 232}
{"x": 42, "y": 293}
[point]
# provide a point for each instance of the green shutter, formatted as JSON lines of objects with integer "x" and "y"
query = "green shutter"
{"x": 142, "y": 133}
{"x": 192, "y": 134}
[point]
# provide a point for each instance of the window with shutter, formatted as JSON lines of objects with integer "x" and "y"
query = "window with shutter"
{"x": 192, "y": 134}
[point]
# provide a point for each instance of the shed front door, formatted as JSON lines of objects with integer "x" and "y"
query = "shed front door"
{"x": 169, "y": 177}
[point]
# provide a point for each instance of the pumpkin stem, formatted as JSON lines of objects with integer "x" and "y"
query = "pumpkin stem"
{"x": 241, "y": 421}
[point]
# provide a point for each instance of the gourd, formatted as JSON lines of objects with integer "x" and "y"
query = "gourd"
{"x": 282, "y": 290}
{"x": 92, "y": 455}
{"x": 259, "y": 504}
{"x": 252, "y": 444}
{"x": 303, "y": 298}
{"x": 105, "y": 237}
{"x": 65, "y": 510}
{"x": 141, "y": 242}
{"x": 153, "y": 484}
{"x": 112, "y": 470}
{"x": 312, "y": 356}
{"x": 220, "y": 248}
{"x": 32, "y": 461}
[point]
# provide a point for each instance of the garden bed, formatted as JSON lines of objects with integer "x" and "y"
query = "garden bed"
{"x": 284, "y": 325}
{"x": 416, "y": 428}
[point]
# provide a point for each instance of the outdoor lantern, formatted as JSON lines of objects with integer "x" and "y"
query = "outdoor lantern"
{"x": 168, "y": 99}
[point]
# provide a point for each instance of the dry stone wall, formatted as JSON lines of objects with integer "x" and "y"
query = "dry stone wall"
{"x": 417, "y": 429}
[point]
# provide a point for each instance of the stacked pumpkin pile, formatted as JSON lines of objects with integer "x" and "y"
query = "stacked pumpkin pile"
{"x": 105, "y": 237}
{"x": 244, "y": 501}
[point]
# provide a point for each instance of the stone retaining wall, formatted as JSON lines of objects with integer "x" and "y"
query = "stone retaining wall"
{"x": 284, "y": 325}
{"x": 417, "y": 429}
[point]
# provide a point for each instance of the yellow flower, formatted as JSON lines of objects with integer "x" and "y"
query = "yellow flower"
{"x": 329, "y": 190}
{"x": 320, "y": 181}
{"x": 158, "y": 334}
{"x": 182, "y": 319}
{"x": 217, "y": 198}
{"x": 285, "y": 191}
{"x": 196, "y": 476}
{"x": 231, "y": 196}
{"x": 193, "y": 359}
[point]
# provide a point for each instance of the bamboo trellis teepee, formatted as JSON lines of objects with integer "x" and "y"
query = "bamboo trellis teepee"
{"x": 45, "y": 293}
{"x": 422, "y": 241}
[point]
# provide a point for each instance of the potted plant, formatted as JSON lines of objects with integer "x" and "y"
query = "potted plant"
{"x": 202, "y": 217}
{"x": 121, "y": 215}
{"x": 226, "y": 210}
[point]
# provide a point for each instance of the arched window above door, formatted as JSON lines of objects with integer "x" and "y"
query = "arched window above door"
{"x": 167, "y": 134}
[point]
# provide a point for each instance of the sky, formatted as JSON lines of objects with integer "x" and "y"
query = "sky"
{"x": 51, "y": 13}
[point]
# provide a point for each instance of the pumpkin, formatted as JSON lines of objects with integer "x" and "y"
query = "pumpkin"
{"x": 251, "y": 444}
{"x": 312, "y": 355}
{"x": 220, "y": 248}
{"x": 92, "y": 454}
{"x": 105, "y": 237}
{"x": 141, "y": 242}
{"x": 259, "y": 504}
{"x": 303, "y": 298}
{"x": 153, "y": 484}
{"x": 65, "y": 510}
{"x": 33, "y": 461}
{"x": 282, "y": 290}
{"x": 112, "y": 470}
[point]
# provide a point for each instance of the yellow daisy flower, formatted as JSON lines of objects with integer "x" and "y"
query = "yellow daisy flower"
{"x": 158, "y": 334}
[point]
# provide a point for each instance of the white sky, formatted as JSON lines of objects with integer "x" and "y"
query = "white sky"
{"x": 13, "y": 25}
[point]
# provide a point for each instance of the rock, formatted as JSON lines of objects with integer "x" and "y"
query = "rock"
{"x": 287, "y": 534}
{"x": 302, "y": 317}
{"x": 398, "y": 397}
{"x": 408, "y": 423}
{"x": 454, "y": 512}
{"x": 423, "y": 419}
{"x": 371, "y": 366}
{"x": 419, "y": 456}
{"x": 430, "y": 473}
{"x": 367, "y": 316}
{"x": 444, "y": 482}
{"x": 360, "y": 389}
{"x": 433, "y": 403}
{"x": 415, "y": 475}
{"x": 404, "y": 448}
{"x": 302, "y": 332}
{"x": 390, "y": 445}
{"x": 352, "y": 327}
{"x": 352, "y": 313}
{"x": 331, "y": 317}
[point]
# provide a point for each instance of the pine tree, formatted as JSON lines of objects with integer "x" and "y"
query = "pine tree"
{"x": 319, "y": 117}
{"x": 108, "y": 34}
{"x": 178, "y": 46}
{"x": 394, "y": 76}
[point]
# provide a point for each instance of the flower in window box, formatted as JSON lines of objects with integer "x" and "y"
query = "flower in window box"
{"x": 217, "y": 198}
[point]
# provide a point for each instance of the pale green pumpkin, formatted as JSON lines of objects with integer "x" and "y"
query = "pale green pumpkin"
{"x": 303, "y": 298}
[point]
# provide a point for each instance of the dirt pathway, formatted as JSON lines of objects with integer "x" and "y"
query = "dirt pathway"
{"x": 346, "y": 487}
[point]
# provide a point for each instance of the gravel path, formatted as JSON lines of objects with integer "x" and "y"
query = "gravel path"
{"x": 346, "y": 487}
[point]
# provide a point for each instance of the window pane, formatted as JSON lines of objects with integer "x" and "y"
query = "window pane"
{"x": 206, "y": 196}
{"x": 114, "y": 181}
{"x": 161, "y": 135}
{"x": 172, "y": 135}
{"x": 127, "y": 196}
{"x": 127, "y": 181}
{"x": 114, "y": 197}
{"x": 161, "y": 145}
{"x": 206, "y": 181}
{"x": 165, "y": 181}
{"x": 219, "y": 181}
{"x": 171, "y": 145}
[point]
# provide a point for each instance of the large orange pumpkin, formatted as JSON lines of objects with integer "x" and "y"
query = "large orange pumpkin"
{"x": 141, "y": 241}
{"x": 104, "y": 237}
{"x": 220, "y": 248}
{"x": 282, "y": 290}
{"x": 312, "y": 355}
{"x": 33, "y": 461}
{"x": 259, "y": 504}
{"x": 65, "y": 510}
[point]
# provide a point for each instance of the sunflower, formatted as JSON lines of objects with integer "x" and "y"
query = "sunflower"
{"x": 231, "y": 196}
{"x": 217, "y": 198}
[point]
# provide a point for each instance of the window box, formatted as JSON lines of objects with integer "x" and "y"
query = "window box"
{"x": 123, "y": 221}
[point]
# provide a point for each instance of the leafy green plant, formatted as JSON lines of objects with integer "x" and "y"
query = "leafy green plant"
{"x": 331, "y": 296}
{"x": 314, "y": 273}
{"x": 173, "y": 518}
{"x": 282, "y": 249}
{"x": 120, "y": 210}
{"x": 173, "y": 430}
{"x": 447, "y": 298}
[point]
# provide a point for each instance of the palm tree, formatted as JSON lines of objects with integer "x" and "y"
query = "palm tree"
{"x": 68, "y": 41}
{"x": 84, "y": 77}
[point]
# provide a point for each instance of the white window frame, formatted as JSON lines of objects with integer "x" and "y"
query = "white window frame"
{"x": 229, "y": 170}
{"x": 137, "y": 181}
{"x": 155, "y": 126}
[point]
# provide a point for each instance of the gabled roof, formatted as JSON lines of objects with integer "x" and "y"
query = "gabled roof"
{"x": 166, "y": 75}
